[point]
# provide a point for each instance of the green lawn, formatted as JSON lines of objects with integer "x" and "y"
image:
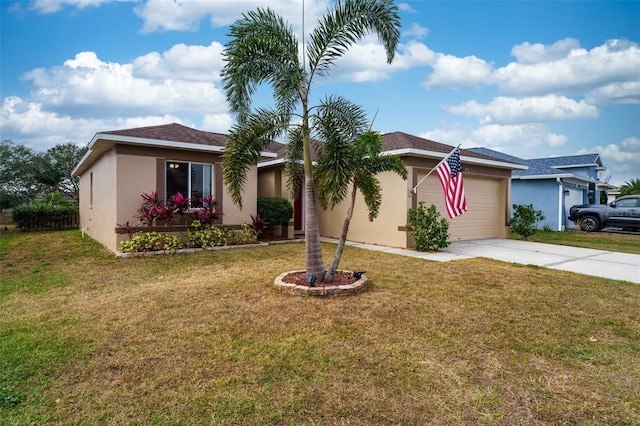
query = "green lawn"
{"x": 203, "y": 338}
{"x": 625, "y": 243}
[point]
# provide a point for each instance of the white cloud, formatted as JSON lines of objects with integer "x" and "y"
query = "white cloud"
{"x": 162, "y": 15}
{"x": 527, "y": 53}
{"x": 416, "y": 30}
{"x": 366, "y": 61}
{"x": 615, "y": 94}
{"x": 622, "y": 160}
{"x": 579, "y": 71}
{"x": 194, "y": 63}
{"x": 451, "y": 71}
{"x": 406, "y": 7}
{"x": 28, "y": 123}
{"x": 514, "y": 139}
{"x": 110, "y": 88}
{"x": 219, "y": 123}
{"x": 53, "y": 6}
{"x": 525, "y": 110}
{"x": 521, "y": 136}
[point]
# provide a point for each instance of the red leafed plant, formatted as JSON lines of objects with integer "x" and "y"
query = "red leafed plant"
{"x": 147, "y": 211}
{"x": 180, "y": 204}
{"x": 259, "y": 225}
{"x": 154, "y": 209}
{"x": 208, "y": 213}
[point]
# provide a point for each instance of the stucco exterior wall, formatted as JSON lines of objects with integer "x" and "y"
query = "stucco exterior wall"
{"x": 124, "y": 172}
{"x": 384, "y": 229}
{"x": 135, "y": 175}
{"x": 98, "y": 200}
{"x": 543, "y": 194}
{"x": 233, "y": 215}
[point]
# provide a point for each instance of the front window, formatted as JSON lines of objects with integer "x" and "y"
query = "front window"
{"x": 192, "y": 180}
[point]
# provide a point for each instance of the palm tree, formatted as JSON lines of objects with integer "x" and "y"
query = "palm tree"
{"x": 630, "y": 187}
{"x": 354, "y": 164}
{"x": 264, "y": 49}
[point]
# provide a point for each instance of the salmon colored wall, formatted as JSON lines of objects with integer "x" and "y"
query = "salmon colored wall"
{"x": 98, "y": 218}
{"x": 384, "y": 229}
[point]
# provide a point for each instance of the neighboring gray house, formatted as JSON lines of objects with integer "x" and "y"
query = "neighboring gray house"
{"x": 554, "y": 184}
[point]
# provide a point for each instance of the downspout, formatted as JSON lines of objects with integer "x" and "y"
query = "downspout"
{"x": 560, "y": 206}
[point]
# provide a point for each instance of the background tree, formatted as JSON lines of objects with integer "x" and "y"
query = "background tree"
{"x": 354, "y": 164}
{"x": 18, "y": 183}
{"x": 264, "y": 49}
{"x": 630, "y": 187}
{"x": 25, "y": 174}
{"x": 57, "y": 164}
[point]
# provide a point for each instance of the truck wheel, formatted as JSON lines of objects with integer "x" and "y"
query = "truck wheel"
{"x": 590, "y": 224}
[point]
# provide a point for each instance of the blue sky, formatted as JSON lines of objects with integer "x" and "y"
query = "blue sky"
{"x": 531, "y": 79}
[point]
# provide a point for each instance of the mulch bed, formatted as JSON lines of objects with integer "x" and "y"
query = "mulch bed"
{"x": 300, "y": 278}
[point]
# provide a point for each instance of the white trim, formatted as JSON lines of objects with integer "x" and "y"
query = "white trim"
{"x": 279, "y": 161}
{"x": 158, "y": 142}
{"x": 574, "y": 165}
{"x": 463, "y": 158}
{"x": 564, "y": 175}
{"x": 561, "y": 212}
{"x": 111, "y": 139}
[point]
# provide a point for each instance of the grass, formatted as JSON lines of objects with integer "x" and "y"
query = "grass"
{"x": 204, "y": 339}
{"x": 626, "y": 243}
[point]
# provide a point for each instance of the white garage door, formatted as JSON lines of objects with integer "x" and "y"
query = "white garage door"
{"x": 573, "y": 198}
{"x": 483, "y": 206}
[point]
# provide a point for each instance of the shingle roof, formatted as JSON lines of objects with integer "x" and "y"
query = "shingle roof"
{"x": 399, "y": 140}
{"x": 548, "y": 166}
{"x": 570, "y": 160}
{"x": 498, "y": 154}
{"x": 173, "y": 132}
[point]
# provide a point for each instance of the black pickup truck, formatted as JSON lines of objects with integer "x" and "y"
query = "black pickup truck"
{"x": 622, "y": 213}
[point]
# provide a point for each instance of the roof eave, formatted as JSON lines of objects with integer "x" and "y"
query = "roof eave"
{"x": 463, "y": 158}
{"x": 111, "y": 139}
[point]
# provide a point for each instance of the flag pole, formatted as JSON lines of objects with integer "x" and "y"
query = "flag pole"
{"x": 415, "y": 188}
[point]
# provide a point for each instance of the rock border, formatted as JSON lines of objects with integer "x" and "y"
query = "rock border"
{"x": 123, "y": 255}
{"x": 323, "y": 290}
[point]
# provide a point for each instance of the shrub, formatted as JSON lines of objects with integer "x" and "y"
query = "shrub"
{"x": 259, "y": 225}
{"x": 205, "y": 236}
{"x": 50, "y": 213}
{"x": 429, "y": 232}
{"x": 151, "y": 241}
{"x": 244, "y": 235}
{"x": 524, "y": 220}
{"x": 208, "y": 213}
{"x": 274, "y": 211}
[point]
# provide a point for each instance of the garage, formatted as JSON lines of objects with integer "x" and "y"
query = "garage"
{"x": 482, "y": 218}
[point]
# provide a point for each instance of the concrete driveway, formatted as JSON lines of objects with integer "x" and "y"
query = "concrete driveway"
{"x": 599, "y": 263}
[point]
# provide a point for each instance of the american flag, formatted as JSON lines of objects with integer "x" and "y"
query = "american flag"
{"x": 450, "y": 175}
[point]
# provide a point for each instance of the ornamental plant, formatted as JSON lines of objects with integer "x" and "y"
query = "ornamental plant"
{"x": 259, "y": 225}
{"x": 205, "y": 236}
{"x": 429, "y": 231}
{"x": 208, "y": 213}
{"x": 151, "y": 241}
{"x": 524, "y": 220}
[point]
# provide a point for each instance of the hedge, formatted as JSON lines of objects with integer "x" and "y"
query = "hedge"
{"x": 44, "y": 217}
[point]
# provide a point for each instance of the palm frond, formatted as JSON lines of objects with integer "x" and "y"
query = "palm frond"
{"x": 348, "y": 22}
{"x": 371, "y": 191}
{"x": 262, "y": 49}
{"x": 337, "y": 124}
{"x": 245, "y": 142}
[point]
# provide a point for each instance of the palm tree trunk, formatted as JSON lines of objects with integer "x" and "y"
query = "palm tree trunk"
{"x": 331, "y": 272}
{"x": 315, "y": 265}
